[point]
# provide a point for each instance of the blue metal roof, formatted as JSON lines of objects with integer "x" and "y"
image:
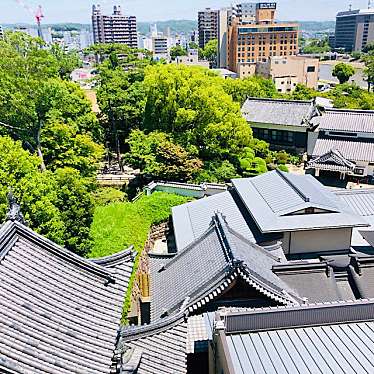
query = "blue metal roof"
{"x": 343, "y": 348}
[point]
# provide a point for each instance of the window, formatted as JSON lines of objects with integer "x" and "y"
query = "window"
{"x": 311, "y": 69}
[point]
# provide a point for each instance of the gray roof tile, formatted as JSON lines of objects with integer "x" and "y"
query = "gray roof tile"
{"x": 162, "y": 346}
{"x": 346, "y": 120}
{"x": 191, "y": 220}
{"x": 279, "y": 112}
{"x": 333, "y": 338}
{"x": 60, "y": 313}
{"x": 208, "y": 262}
{"x": 352, "y": 150}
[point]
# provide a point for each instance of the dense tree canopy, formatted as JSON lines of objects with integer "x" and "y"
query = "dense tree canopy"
{"x": 57, "y": 205}
{"x": 159, "y": 157}
{"x": 192, "y": 107}
{"x": 369, "y": 69}
{"x": 49, "y": 140}
{"x": 33, "y": 96}
{"x": 316, "y": 46}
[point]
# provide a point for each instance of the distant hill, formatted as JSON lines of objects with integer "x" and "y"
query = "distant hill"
{"x": 177, "y": 26}
{"x": 55, "y": 26}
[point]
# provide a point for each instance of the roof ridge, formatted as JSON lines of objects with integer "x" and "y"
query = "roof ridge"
{"x": 349, "y": 111}
{"x": 114, "y": 258}
{"x": 299, "y": 316}
{"x": 45, "y": 243}
{"x": 293, "y": 186}
{"x": 280, "y": 100}
{"x": 187, "y": 248}
{"x": 255, "y": 246}
{"x": 130, "y": 333}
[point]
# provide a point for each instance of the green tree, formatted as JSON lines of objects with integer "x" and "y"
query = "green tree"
{"x": 76, "y": 208}
{"x": 68, "y": 61}
{"x": 351, "y": 96}
{"x": 369, "y": 47}
{"x": 303, "y": 92}
{"x": 32, "y": 94}
{"x": 369, "y": 71}
{"x": 191, "y": 104}
{"x": 56, "y": 205}
{"x": 177, "y": 51}
{"x": 343, "y": 72}
{"x": 193, "y": 45}
{"x": 64, "y": 146}
{"x": 250, "y": 164}
{"x": 217, "y": 172}
{"x": 157, "y": 156}
{"x": 316, "y": 46}
{"x": 256, "y": 86}
{"x": 210, "y": 52}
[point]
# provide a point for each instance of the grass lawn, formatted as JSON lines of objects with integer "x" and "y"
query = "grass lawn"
{"x": 119, "y": 225}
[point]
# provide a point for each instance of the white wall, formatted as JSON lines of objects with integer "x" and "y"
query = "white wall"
{"x": 317, "y": 241}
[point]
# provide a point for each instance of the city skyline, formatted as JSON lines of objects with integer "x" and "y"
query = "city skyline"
{"x": 80, "y": 11}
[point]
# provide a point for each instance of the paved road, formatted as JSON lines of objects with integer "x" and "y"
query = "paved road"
{"x": 325, "y": 73}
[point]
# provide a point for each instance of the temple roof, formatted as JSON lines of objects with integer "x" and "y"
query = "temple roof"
{"x": 350, "y": 149}
{"x": 156, "y": 348}
{"x": 205, "y": 268}
{"x": 346, "y": 120}
{"x": 279, "y": 112}
{"x": 277, "y": 200}
{"x": 60, "y": 313}
{"x": 332, "y": 160}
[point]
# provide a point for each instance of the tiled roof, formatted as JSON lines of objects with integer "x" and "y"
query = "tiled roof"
{"x": 209, "y": 265}
{"x": 280, "y": 112}
{"x": 321, "y": 343}
{"x": 59, "y": 313}
{"x": 274, "y": 199}
{"x": 352, "y": 150}
{"x": 333, "y": 160}
{"x": 346, "y": 120}
{"x": 156, "y": 348}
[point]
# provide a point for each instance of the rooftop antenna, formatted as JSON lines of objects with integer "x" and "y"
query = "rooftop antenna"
{"x": 350, "y": 7}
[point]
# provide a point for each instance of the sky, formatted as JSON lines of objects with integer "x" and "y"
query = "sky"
{"x": 11, "y": 11}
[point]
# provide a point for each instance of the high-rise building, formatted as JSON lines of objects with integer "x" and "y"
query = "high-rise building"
{"x": 208, "y": 26}
{"x": 116, "y": 28}
{"x": 250, "y": 42}
{"x": 245, "y": 12}
{"x": 354, "y": 29}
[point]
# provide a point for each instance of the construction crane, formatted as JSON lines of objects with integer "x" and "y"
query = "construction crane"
{"x": 38, "y": 16}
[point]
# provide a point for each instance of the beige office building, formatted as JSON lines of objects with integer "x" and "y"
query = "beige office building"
{"x": 288, "y": 71}
{"x": 249, "y": 44}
